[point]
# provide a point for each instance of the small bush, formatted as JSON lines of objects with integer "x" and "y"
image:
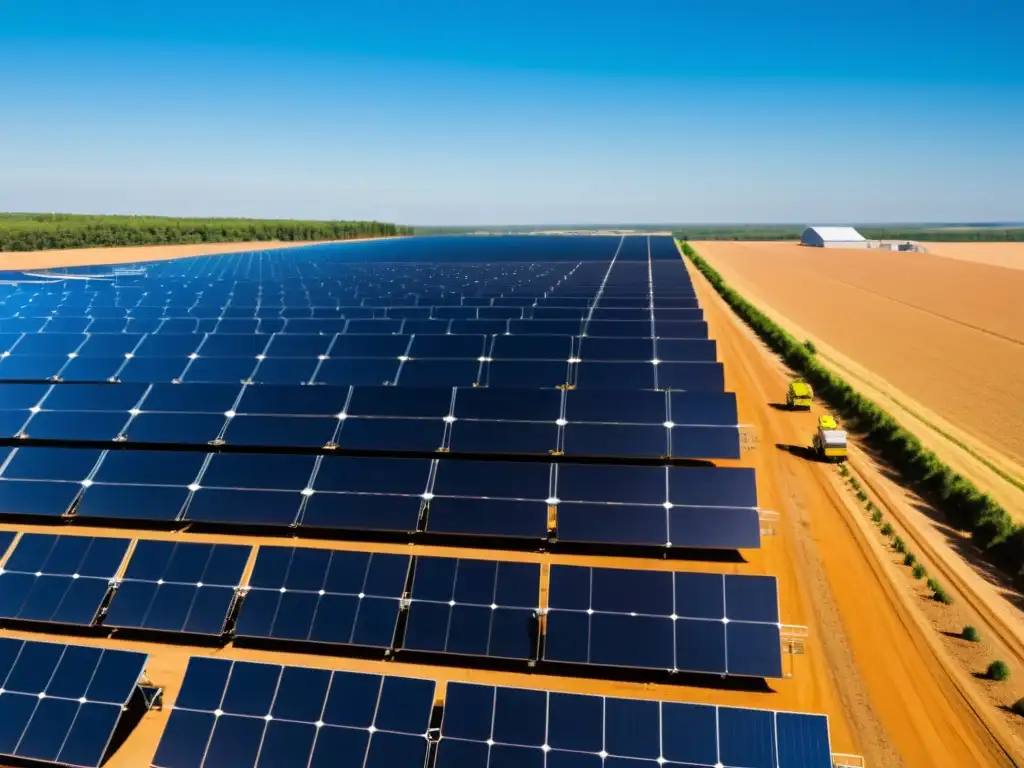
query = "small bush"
{"x": 909, "y": 559}
{"x": 919, "y": 571}
{"x": 932, "y": 584}
{"x": 854, "y": 484}
{"x": 843, "y": 471}
{"x": 899, "y": 545}
{"x": 886, "y": 529}
{"x": 876, "y": 516}
{"x": 809, "y": 346}
{"x": 1018, "y": 707}
{"x": 870, "y": 506}
{"x": 998, "y": 670}
{"x": 970, "y": 633}
{"x": 941, "y": 596}
{"x": 862, "y": 497}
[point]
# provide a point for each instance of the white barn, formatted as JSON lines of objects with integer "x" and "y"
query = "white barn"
{"x": 833, "y": 237}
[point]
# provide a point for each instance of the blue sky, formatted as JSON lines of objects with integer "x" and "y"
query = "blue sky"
{"x": 447, "y": 111}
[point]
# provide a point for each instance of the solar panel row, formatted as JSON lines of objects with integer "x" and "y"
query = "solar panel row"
{"x": 269, "y": 716}
{"x": 484, "y": 608}
{"x": 711, "y": 507}
{"x": 627, "y": 424}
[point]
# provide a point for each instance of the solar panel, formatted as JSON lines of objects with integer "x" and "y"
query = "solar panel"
{"x": 487, "y": 725}
{"x": 268, "y": 716}
{"x": 364, "y": 493}
{"x": 681, "y": 622}
{"x": 140, "y": 485}
{"x": 251, "y": 489}
{"x": 319, "y": 596}
{"x": 707, "y": 507}
{"x": 474, "y": 608}
{"x": 490, "y": 499}
{"x": 59, "y": 579}
{"x": 178, "y": 587}
{"x": 62, "y": 703}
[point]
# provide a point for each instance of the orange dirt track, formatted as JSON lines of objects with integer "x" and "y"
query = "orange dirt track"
{"x": 947, "y": 333}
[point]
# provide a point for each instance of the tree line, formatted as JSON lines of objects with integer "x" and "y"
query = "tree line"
{"x": 34, "y": 232}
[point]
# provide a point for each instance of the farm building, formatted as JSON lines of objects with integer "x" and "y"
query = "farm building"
{"x": 833, "y": 237}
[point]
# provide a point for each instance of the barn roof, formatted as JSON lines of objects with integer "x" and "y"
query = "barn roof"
{"x": 839, "y": 234}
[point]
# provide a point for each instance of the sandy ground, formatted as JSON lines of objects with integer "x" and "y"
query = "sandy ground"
{"x": 942, "y": 333}
{"x": 1010, "y": 255}
{"x": 80, "y": 257}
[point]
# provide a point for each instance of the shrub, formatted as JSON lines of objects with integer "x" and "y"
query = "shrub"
{"x": 932, "y": 584}
{"x": 843, "y": 471}
{"x": 998, "y": 670}
{"x": 909, "y": 559}
{"x": 941, "y": 596}
{"x": 898, "y": 544}
{"x": 876, "y": 516}
{"x": 870, "y": 506}
{"x": 854, "y": 484}
{"x": 919, "y": 571}
{"x": 1018, "y": 707}
{"x": 970, "y": 633}
{"x": 809, "y": 346}
{"x": 886, "y": 529}
{"x": 861, "y": 496}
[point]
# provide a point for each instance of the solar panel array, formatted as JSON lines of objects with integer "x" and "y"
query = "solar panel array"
{"x": 512, "y": 393}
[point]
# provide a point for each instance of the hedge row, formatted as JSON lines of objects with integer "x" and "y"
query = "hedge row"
{"x": 33, "y": 232}
{"x": 991, "y": 527}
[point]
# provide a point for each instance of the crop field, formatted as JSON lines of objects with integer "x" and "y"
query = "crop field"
{"x": 946, "y": 332}
{"x": 1009, "y": 255}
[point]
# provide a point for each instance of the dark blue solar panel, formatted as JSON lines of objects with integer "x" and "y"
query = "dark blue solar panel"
{"x": 660, "y": 620}
{"x": 319, "y": 596}
{"x": 487, "y": 726}
{"x": 474, "y": 608}
{"x": 490, "y": 499}
{"x": 263, "y": 715}
{"x": 62, "y": 703}
{"x": 178, "y": 587}
{"x": 59, "y": 579}
{"x": 368, "y": 493}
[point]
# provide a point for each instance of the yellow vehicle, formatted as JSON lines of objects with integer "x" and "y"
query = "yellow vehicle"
{"x": 829, "y": 441}
{"x": 799, "y": 394}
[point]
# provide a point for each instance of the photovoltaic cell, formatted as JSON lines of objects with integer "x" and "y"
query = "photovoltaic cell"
{"x": 62, "y": 703}
{"x": 487, "y": 726}
{"x": 268, "y": 716}
{"x": 319, "y": 596}
{"x": 178, "y": 587}
{"x": 691, "y": 622}
{"x": 474, "y": 608}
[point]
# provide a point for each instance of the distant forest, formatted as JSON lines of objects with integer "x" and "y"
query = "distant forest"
{"x": 40, "y": 231}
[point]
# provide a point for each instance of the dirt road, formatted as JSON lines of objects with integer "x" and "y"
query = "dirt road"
{"x": 904, "y": 707}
